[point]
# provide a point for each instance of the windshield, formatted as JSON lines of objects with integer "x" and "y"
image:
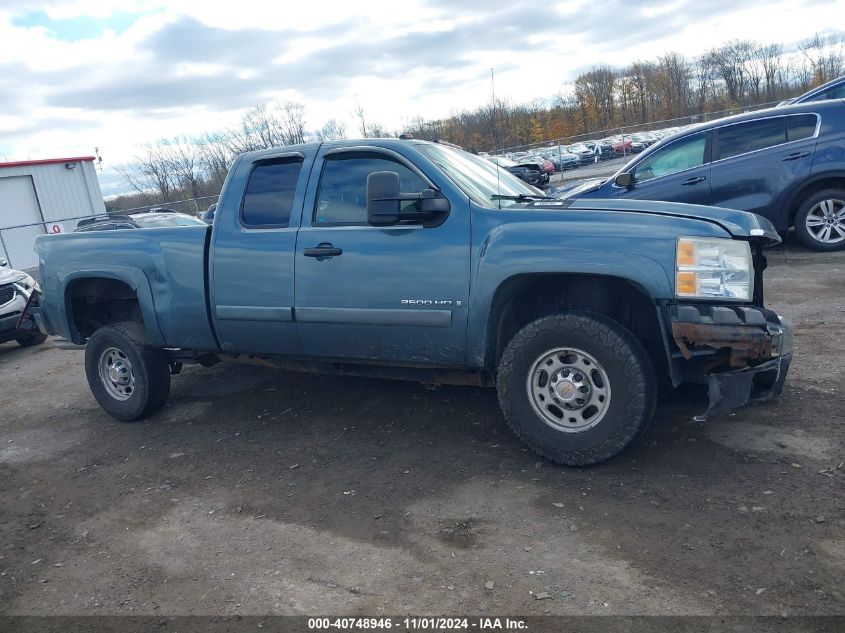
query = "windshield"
{"x": 478, "y": 178}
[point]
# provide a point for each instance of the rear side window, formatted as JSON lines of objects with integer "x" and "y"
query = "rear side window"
{"x": 742, "y": 138}
{"x": 801, "y": 126}
{"x": 269, "y": 193}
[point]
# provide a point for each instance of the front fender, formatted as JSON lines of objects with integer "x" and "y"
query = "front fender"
{"x": 130, "y": 275}
{"x": 643, "y": 272}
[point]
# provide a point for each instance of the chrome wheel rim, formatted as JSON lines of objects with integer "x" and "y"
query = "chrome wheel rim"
{"x": 568, "y": 389}
{"x": 826, "y": 221}
{"x": 116, "y": 374}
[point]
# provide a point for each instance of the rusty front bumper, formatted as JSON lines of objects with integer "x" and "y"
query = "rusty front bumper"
{"x": 742, "y": 353}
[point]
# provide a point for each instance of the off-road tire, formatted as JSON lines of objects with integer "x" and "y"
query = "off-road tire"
{"x": 149, "y": 366}
{"x": 33, "y": 339}
{"x": 801, "y": 218}
{"x": 629, "y": 371}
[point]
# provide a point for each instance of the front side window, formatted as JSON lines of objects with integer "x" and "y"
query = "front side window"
{"x": 742, "y": 138}
{"x": 683, "y": 154}
{"x": 269, "y": 193}
{"x": 342, "y": 197}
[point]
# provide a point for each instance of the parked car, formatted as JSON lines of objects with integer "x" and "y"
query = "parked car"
{"x": 563, "y": 160}
{"x": 574, "y": 310}
{"x": 584, "y": 154}
{"x": 621, "y": 146}
{"x": 605, "y": 150}
{"x": 559, "y": 155}
{"x": 146, "y": 220}
{"x": 529, "y": 171}
{"x": 831, "y": 90}
{"x": 785, "y": 164}
{"x": 15, "y": 288}
{"x": 547, "y": 165}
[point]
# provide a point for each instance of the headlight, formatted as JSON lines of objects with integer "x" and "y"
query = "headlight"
{"x": 708, "y": 268}
{"x": 28, "y": 283}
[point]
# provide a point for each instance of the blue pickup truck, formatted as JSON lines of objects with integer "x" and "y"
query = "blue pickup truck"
{"x": 404, "y": 259}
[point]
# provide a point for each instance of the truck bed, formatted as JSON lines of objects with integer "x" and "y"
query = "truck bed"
{"x": 168, "y": 265}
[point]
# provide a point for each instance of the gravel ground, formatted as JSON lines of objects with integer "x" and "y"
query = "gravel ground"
{"x": 257, "y": 491}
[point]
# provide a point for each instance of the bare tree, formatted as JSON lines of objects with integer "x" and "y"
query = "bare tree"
{"x": 184, "y": 160}
{"x": 150, "y": 174}
{"x": 332, "y": 130}
{"x": 290, "y": 117}
{"x": 826, "y": 55}
{"x": 769, "y": 56}
{"x": 217, "y": 156}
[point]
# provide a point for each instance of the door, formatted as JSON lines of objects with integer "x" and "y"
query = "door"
{"x": 755, "y": 161}
{"x": 678, "y": 172}
{"x": 19, "y": 206}
{"x": 379, "y": 293}
{"x": 252, "y": 254}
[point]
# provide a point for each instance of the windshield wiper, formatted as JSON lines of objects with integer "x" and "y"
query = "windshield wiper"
{"x": 520, "y": 198}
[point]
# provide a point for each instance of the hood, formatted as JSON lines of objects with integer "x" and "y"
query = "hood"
{"x": 577, "y": 187}
{"x": 10, "y": 275}
{"x": 740, "y": 224}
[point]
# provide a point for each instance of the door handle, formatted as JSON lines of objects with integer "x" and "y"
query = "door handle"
{"x": 323, "y": 250}
{"x": 795, "y": 156}
{"x": 693, "y": 180}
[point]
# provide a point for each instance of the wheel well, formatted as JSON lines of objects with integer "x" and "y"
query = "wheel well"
{"x": 524, "y": 298}
{"x": 833, "y": 182}
{"x": 95, "y": 302}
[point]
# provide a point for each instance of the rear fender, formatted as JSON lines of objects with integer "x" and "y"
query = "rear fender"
{"x": 132, "y": 277}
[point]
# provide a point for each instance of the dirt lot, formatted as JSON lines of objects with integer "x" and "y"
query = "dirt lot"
{"x": 257, "y": 491}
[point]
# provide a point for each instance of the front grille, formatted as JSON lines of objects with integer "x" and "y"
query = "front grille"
{"x": 7, "y": 293}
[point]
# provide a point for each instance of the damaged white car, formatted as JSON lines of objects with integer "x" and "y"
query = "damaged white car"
{"x": 15, "y": 288}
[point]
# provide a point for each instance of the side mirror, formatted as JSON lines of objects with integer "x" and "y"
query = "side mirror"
{"x": 625, "y": 179}
{"x": 384, "y": 202}
{"x": 383, "y": 198}
{"x": 3, "y": 262}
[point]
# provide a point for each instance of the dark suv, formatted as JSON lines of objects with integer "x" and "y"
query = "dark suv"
{"x": 831, "y": 90}
{"x": 786, "y": 164}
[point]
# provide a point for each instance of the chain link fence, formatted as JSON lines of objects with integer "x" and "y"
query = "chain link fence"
{"x": 17, "y": 243}
{"x": 191, "y": 206}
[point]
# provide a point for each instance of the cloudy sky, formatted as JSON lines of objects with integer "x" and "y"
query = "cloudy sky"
{"x": 75, "y": 74}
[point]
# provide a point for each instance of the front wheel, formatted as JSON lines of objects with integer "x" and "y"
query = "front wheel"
{"x": 820, "y": 220}
{"x": 577, "y": 388}
{"x": 128, "y": 378}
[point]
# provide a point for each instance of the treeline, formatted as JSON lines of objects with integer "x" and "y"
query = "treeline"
{"x": 736, "y": 74}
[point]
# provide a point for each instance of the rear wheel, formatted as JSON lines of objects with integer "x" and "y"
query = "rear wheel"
{"x": 128, "y": 378}
{"x": 577, "y": 388}
{"x": 820, "y": 220}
